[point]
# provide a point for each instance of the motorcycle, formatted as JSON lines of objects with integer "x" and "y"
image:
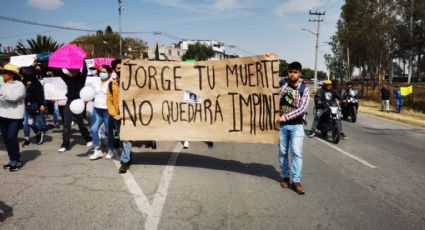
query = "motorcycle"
{"x": 350, "y": 106}
{"x": 328, "y": 123}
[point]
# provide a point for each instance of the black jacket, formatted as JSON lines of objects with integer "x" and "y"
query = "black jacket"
{"x": 74, "y": 84}
{"x": 385, "y": 94}
{"x": 35, "y": 93}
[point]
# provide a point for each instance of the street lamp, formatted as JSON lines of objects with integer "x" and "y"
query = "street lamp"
{"x": 315, "y": 56}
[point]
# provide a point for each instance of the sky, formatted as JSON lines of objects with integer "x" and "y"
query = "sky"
{"x": 246, "y": 27}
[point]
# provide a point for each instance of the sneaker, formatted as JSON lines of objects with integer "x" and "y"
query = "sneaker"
{"x": 343, "y": 136}
{"x": 89, "y": 144}
{"x": 312, "y": 134}
{"x": 63, "y": 148}
{"x": 186, "y": 144}
{"x": 16, "y": 167}
{"x": 110, "y": 154}
{"x": 124, "y": 167}
{"x": 40, "y": 138}
{"x": 26, "y": 143}
{"x": 96, "y": 155}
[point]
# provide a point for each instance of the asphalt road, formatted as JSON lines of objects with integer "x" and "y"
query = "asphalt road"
{"x": 373, "y": 180}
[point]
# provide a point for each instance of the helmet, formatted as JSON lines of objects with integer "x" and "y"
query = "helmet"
{"x": 327, "y": 82}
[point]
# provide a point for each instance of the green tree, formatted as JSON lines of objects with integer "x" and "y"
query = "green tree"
{"x": 101, "y": 44}
{"x": 198, "y": 52}
{"x": 283, "y": 68}
{"x": 135, "y": 47}
{"x": 157, "y": 53}
{"x": 40, "y": 44}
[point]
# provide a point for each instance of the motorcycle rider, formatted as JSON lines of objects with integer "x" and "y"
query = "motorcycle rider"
{"x": 349, "y": 93}
{"x": 323, "y": 98}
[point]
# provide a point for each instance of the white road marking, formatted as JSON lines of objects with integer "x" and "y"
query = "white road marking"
{"x": 138, "y": 195}
{"x": 347, "y": 154}
{"x": 161, "y": 194}
{"x": 152, "y": 214}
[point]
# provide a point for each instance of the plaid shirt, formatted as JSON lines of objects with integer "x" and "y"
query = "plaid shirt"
{"x": 299, "y": 105}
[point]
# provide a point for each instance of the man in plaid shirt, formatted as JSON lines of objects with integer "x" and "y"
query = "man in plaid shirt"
{"x": 294, "y": 99}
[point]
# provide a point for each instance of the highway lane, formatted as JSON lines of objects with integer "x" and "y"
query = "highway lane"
{"x": 232, "y": 186}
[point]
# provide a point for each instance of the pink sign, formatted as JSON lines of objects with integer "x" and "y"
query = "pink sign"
{"x": 69, "y": 56}
{"x": 103, "y": 61}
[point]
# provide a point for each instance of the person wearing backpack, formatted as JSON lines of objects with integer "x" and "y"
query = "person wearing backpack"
{"x": 293, "y": 106}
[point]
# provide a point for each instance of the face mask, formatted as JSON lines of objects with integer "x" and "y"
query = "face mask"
{"x": 103, "y": 76}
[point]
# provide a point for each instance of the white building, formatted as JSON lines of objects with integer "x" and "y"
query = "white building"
{"x": 175, "y": 52}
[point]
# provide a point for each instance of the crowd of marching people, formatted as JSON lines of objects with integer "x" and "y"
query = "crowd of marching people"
{"x": 22, "y": 102}
{"x": 23, "y": 105}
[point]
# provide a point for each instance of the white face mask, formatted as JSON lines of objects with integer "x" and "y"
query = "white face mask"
{"x": 103, "y": 76}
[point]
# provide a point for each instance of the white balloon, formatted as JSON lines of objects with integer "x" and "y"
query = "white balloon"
{"x": 87, "y": 93}
{"x": 77, "y": 106}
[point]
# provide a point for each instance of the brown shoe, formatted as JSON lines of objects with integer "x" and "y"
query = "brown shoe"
{"x": 124, "y": 167}
{"x": 298, "y": 187}
{"x": 285, "y": 183}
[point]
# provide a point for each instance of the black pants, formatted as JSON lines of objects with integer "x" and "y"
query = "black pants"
{"x": 9, "y": 130}
{"x": 68, "y": 116}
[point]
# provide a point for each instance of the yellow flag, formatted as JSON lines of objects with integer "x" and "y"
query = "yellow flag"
{"x": 406, "y": 90}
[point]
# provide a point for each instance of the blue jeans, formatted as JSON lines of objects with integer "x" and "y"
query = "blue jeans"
{"x": 56, "y": 112}
{"x": 291, "y": 140}
{"x": 37, "y": 123}
{"x": 126, "y": 152}
{"x": 9, "y": 130}
{"x": 99, "y": 117}
{"x": 398, "y": 105}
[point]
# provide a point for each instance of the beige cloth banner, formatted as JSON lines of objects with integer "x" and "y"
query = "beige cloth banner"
{"x": 232, "y": 100}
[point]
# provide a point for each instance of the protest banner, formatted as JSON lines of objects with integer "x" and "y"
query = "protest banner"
{"x": 103, "y": 61}
{"x": 406, "y": 90}
{"x": 232, "y": 100}
{"x": 54, "y": 88}
{"x": 69, "y": 56}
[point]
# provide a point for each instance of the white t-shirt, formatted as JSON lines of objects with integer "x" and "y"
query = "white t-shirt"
{"x": 100, "y": 94}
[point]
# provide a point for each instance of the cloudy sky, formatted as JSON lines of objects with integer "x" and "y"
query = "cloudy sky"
{"x": 252, "y": 26}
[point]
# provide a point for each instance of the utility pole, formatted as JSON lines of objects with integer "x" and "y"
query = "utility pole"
{"x": 318, "y": 20}
{"x": 120, "y": 8}
{"x": 409, "y": 76}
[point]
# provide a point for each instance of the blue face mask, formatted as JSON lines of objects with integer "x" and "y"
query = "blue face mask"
{"x": 103, "y": 76}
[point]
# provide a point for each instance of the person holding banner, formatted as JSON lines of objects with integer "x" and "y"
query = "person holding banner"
{"x": 75, "y": 81}
{"x": 100, "y": 114}
{"x": 293, "y": 105}
{"x": 398, "y": 99}
{"x": 12, "y": 108}
{"x": 112, "y": 96}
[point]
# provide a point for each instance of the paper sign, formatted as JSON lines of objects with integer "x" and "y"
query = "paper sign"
{"x": 54, "y": 88}
{"x": 69, "y": 56}
{"x": 23, "y": 60}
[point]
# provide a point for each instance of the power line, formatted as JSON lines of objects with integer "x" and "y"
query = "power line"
{"x": 337, "y": 1}
{"x": 43, "y": 24}
{"x": 162, "y": 33}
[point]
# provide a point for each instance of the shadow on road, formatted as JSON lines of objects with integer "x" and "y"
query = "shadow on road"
{"x": 5, "y": 211}
{"x": 29, "y": 155}
{"x": 201, "y": 161}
